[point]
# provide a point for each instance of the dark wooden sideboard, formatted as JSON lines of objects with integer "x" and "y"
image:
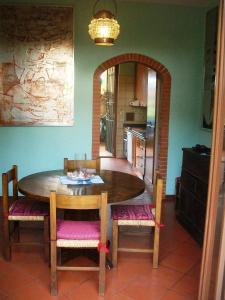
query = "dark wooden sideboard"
{"x": 192, "y": 190}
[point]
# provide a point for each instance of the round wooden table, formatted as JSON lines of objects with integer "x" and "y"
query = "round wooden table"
{"x": 120, "y": 186}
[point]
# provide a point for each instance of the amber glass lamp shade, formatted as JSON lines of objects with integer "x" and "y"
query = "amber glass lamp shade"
{"x": 104, "y": 28}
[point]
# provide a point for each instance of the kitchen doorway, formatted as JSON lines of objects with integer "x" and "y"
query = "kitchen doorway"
{"x": 163, "y": 108}
{"x": 128, "y": 116}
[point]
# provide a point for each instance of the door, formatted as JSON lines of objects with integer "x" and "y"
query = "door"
{"x": 110, "y": 110}
{"x": 212, "y": 279}
{"x": 150, "y": 126}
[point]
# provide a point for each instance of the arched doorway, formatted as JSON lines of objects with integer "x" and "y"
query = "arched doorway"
{"x": 165, "y": 79}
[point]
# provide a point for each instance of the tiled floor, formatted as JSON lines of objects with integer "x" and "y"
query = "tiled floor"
{"x": 103, "y": 152}
{"x": 27, "y": 275}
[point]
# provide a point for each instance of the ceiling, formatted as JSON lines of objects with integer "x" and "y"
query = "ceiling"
{"x": 178, "y": 2}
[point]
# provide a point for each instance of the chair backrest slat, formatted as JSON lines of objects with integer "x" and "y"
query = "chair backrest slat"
{"x": 15, "y": 182}
{"x": 78, "y": 202}
{"x": 7, "y": 177}
{"x": 71, "y": 165}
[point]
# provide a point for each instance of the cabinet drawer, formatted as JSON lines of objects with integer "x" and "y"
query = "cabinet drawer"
{"x": 202, "y": 191}
{"x": 189, "y": 181}
{"x": 140, "y": 164}
{"x": 195, "y": 186}
{"x": 140, "y": 146}
{"x": 185, "y": 203}
{"x": 196, "y": 164}
{"x": 198, "y": 215}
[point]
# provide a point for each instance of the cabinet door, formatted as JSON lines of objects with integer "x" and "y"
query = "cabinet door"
{"x": 140, "y": 155}
{"x": 141, "y": 92}
{"x": 191, "y": 213}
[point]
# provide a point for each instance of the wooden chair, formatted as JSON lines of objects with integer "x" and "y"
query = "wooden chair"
{"x": 138, "y": 215}
{"x": 71, "y": 165}
{"x": 78, "y": 234}
{"x": 16, "y": 209}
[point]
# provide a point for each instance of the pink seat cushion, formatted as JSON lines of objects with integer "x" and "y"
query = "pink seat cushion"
{"x": 131, "y": 212}
{"x": 28, "y": 207}
{"x": 78, "y": 230}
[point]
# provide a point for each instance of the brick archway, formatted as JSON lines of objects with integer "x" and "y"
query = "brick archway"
{"x": 165, "y": 77}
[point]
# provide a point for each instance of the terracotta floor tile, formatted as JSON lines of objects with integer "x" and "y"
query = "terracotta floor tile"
{"x": 187, "y": 286}
{"x": 171, "y": 295}
{"x": 167, "y": 245}
{"x": 140, "y": 290}
{"x": 135, "y": 239}
{"x": 118, "y": 279}
{"x": 6, "y": 266}
{"x": 35, "y": 268}
{"x": 68, "y": 279}
{"x": 190, "y": 240}
{"x": 171, "y": 224}
{"x": 189, "y": 250}
{"x": 179, "y": 263}
{"x": 195, "y": 271}
{"x": 36, "y": 292}
{"x": 165, "y": 276}
{"x": 27, "y": 255}
{"x": 3, "y": 297}
{"x": 88, "y": 290}
{"x": 181, "y": 234}
{"x": 118, "y": 296}
{"x": 144, "y": 259}
{"x": 12, "y": 282}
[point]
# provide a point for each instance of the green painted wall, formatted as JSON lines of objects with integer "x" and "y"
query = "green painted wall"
{"x": 172, "y": 35}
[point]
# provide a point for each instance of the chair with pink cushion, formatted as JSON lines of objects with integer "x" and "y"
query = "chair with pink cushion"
{"x": 78, "y": 234}
{"x": 21, "y": 209}
{"x": 138, "y": 215}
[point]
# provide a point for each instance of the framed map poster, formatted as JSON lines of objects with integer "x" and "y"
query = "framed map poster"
{"x": 36, "y": 66}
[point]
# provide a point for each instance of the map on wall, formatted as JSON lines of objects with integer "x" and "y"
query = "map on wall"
{"x": 36, "y": 65}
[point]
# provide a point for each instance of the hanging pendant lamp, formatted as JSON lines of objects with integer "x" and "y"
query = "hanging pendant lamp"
{"x": 104, "y": 28}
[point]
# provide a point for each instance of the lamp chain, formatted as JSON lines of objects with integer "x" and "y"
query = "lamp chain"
{"x": 97, "y": 1}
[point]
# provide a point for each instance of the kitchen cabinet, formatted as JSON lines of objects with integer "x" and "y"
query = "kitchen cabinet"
{"x": 141, "y": 85}
{"x": 136, "y": 149}
{"x": 191, "y": 198}
{"x": 131, "y": 148}
{"x": 140, "y": 155}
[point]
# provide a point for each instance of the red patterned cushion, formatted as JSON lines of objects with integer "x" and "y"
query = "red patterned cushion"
{"x": 29, "y": 208}
{"x": 78, "y": 230}
{"x": 131, "y": 212}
